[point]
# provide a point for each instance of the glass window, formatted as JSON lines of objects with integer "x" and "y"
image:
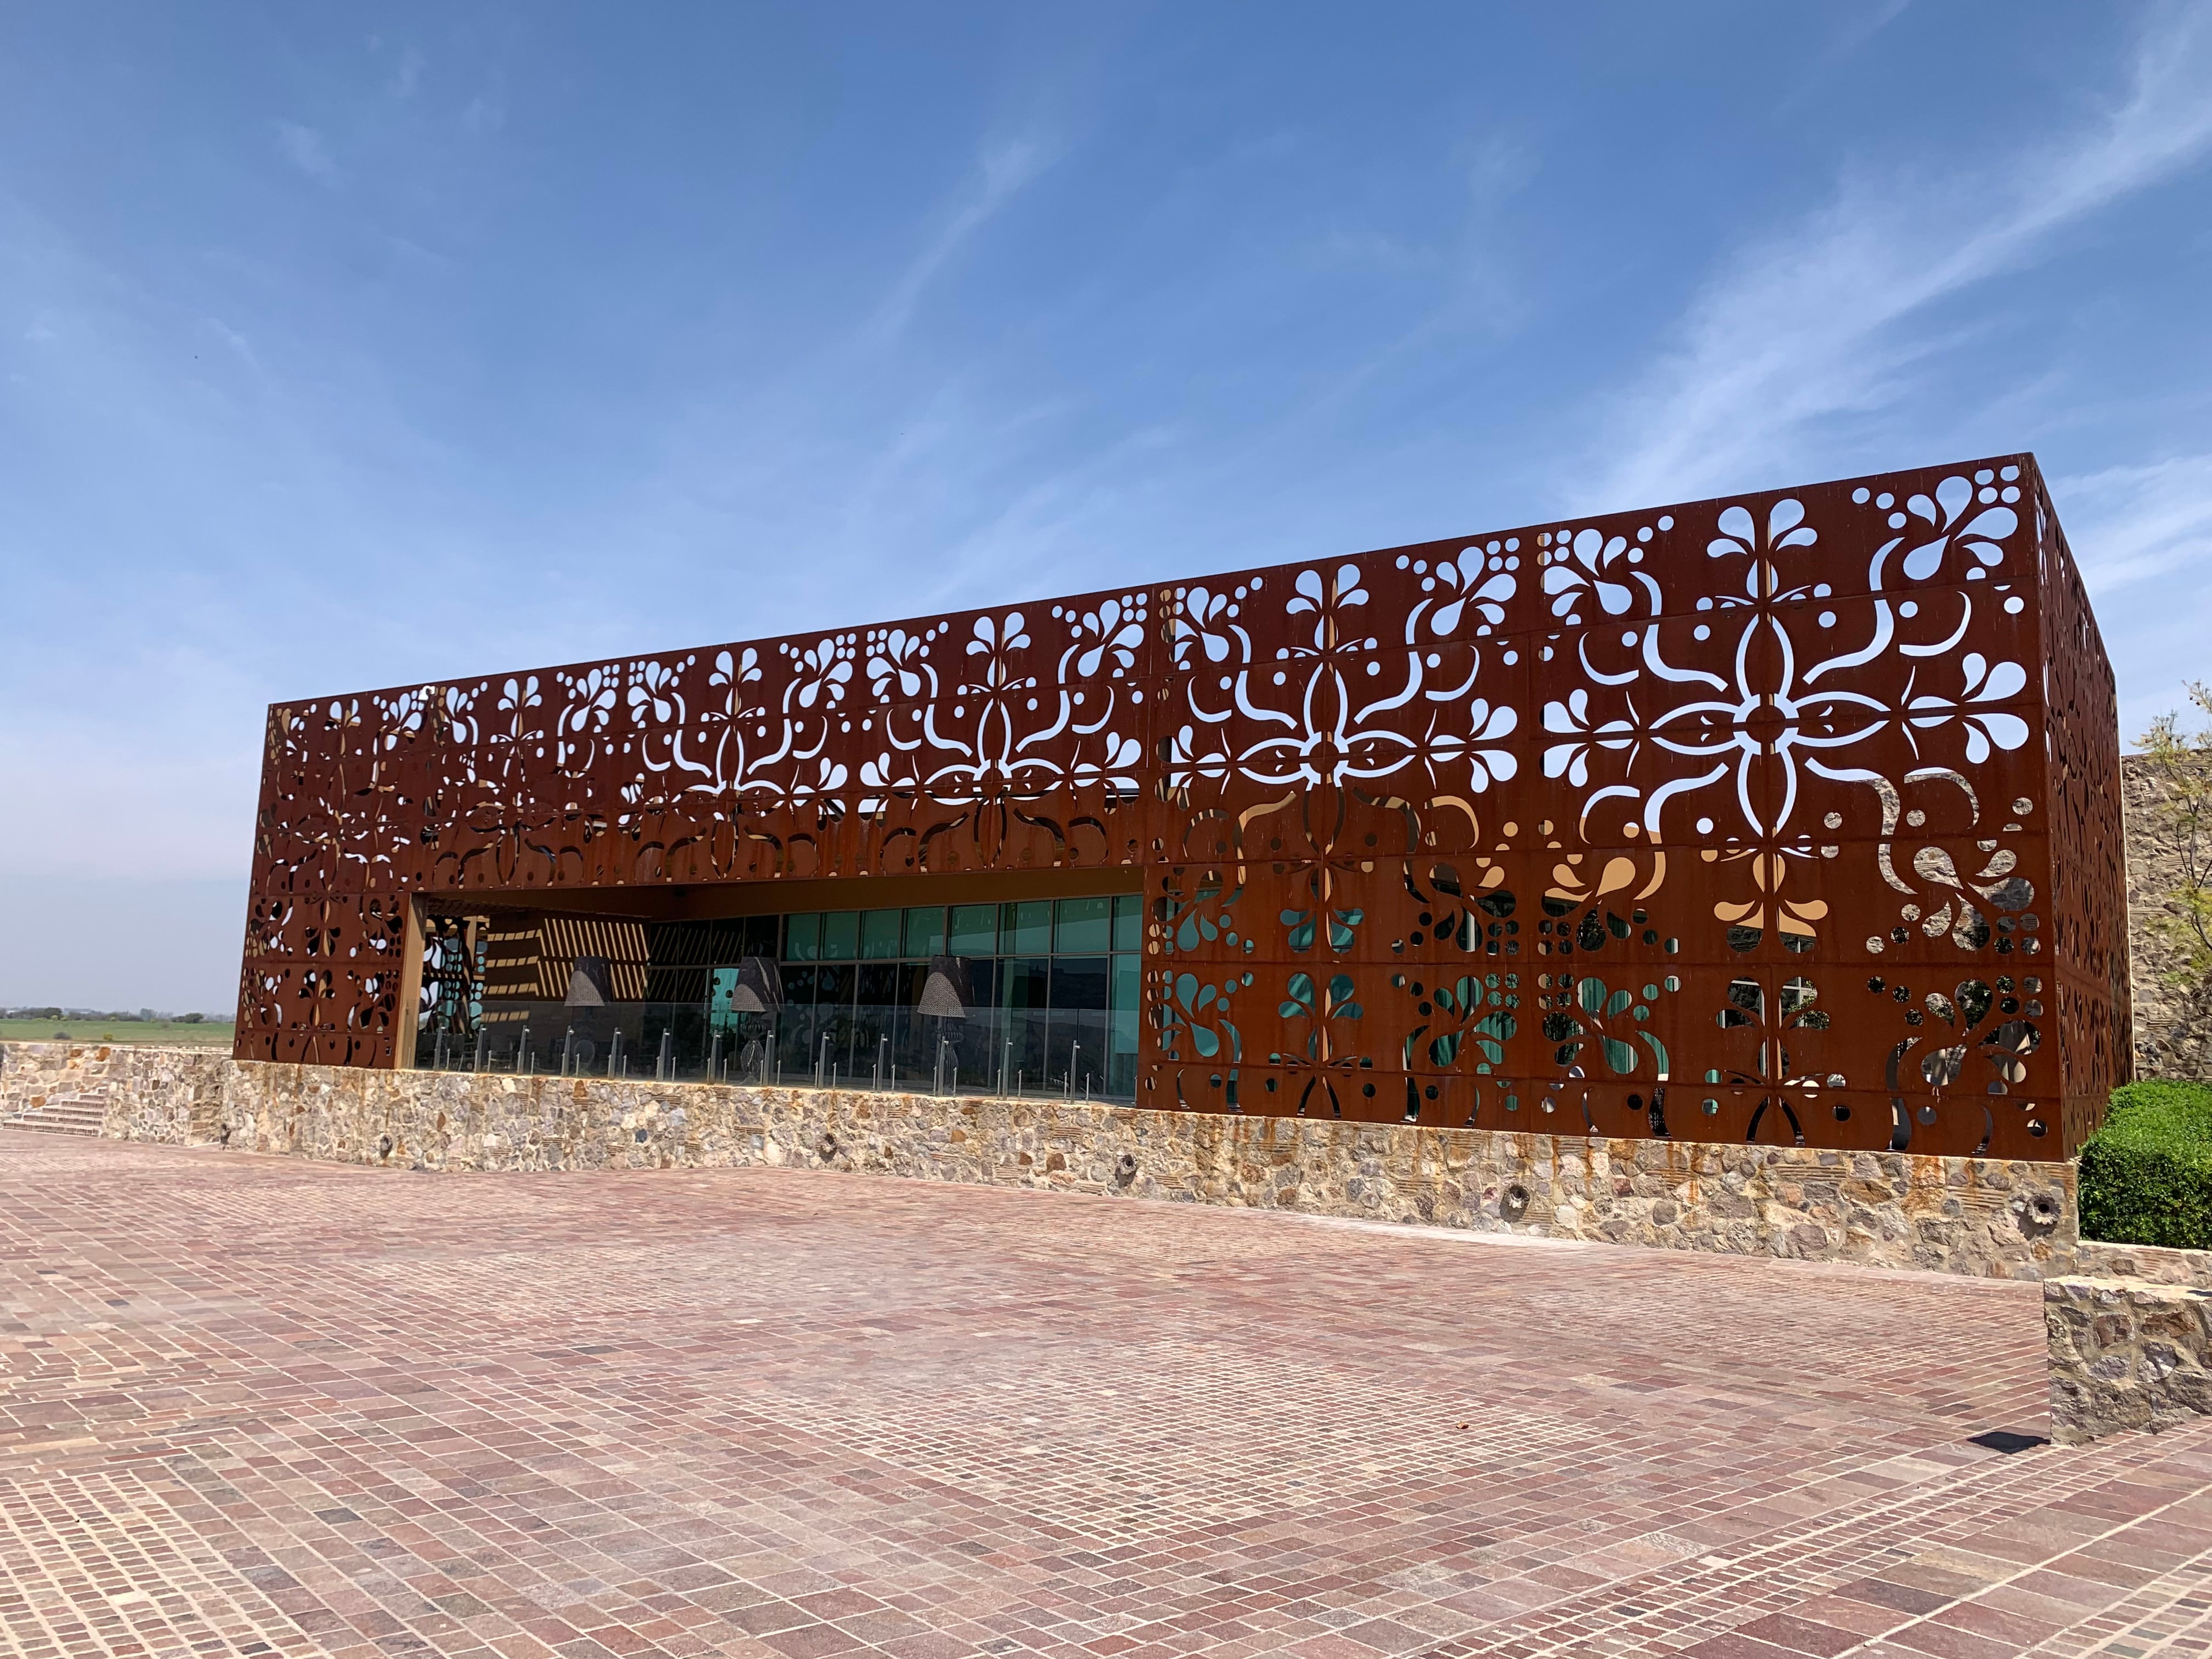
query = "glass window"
{"x": 1079, "y": 982}
{"x": 840, "y": 936}
{"x": 879, "y": 986}
{"x": 1128, "y": 984}
{"x": 798, "y": 986}
{"x": 1026, "y": 929}
{"x": 802, "y": 939}
{"x": 982, "y": 984}
{"x": 1024, "y": 981}
{"x": 974, "y": 930}
{"x": 1129, "y": 922}
{"x": 1122, "y": 1026}
{"x": 925, "y": 932}
{"x": 913, "y": 978}
{"x": 879, "y": 935}
{"x": 1081, "y": 927}
{"x": 834, "y": 985}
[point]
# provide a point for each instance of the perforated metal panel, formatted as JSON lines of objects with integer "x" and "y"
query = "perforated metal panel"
{"x": 1793, "y": 815}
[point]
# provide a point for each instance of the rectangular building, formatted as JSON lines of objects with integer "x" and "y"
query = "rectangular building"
{"x": 1785, "y": 817}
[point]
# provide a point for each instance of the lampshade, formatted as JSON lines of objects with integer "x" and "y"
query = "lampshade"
{"x": 759, "y": 988}
{"x": 591, "y": 983}
{"x": 944, "y": 993}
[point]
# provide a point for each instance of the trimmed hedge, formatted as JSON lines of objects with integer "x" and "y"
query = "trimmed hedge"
{"x": 2146, "y": 1177}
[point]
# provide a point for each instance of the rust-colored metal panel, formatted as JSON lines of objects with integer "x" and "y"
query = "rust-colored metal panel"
{"x": 1786, "y": 815}
{"x": 2089, "y": 920}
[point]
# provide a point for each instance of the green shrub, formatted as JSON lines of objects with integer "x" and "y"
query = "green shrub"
{"x": 2146, "y": 1177}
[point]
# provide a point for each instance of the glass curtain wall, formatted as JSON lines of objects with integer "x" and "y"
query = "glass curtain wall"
{"x": 1046, "y": 992}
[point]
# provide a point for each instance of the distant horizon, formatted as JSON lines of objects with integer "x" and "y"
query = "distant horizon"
{"x": 121, "y": 1015}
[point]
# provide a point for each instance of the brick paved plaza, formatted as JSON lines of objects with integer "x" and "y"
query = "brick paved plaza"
{"x": 256, "y": 1405}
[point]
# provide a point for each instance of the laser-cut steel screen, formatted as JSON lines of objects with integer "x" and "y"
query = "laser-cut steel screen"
{"x": 1779, "y": 817}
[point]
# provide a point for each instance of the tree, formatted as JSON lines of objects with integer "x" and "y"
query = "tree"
{"x": 2180, "y": 766}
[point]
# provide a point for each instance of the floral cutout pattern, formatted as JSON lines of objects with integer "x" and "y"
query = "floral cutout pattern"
{"x": 1775, "y": 737}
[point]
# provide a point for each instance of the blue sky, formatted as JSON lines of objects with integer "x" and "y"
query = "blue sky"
{"x": 343, "y": 347}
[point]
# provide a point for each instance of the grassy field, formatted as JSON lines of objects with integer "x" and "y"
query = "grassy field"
{"x": 167, "y": 1032}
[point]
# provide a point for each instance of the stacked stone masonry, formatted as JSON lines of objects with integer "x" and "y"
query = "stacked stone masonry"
{"x": 2126, "y": 1353}
{"x": 1985, "y": 1217}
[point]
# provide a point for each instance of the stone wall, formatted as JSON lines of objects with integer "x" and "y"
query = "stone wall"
{"x": 181, "y": 1090}
{"x": 2126, "y": 1353}
{"x": 1979, "y": 1217}
{"x": 2174, "y": 1025}
{"x": 2094, "y": 1259}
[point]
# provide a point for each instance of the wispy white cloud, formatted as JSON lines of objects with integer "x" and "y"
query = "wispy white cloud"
{"x": 2128, "y": 524}
{"x": 1856, "y": 32}
{"x": 1808, "y": 326}
{"x": 303, "y": 147}
{"x": 1002, "y": 172}
{"x": 1498, "y": 169}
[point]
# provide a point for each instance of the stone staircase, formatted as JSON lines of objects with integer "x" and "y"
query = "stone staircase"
{"x": 61, "y": 1115}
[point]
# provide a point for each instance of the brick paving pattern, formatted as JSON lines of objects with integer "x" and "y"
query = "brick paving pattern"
{"x": 256, "y": 1405}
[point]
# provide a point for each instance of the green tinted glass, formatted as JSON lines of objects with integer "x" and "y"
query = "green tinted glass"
{"x": 879, "y": 935}
{"x": 802, "y": 939}
{"x": 1129, "y": 922}
{"x": 925, "y": 930}
{"x": 974, "y": 930}
{"x": 840, "y": 935}
{"x": 1081, "y": 927}
{"x": 1024, "y": 982}
{"x": 1026, "y": 928}
{"x": 1122, "y": 995}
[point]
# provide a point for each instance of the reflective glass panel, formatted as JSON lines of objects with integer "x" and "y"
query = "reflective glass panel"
{"x": 1129, "y": 922}
{"x": 1024, "y": 981}
{"x": 974, "y": 930}
{"x": 1026, "y": 928}
{"x": 879, "y": 935}
{"x": 1081, "y": 927}
{"x": 840, "y": 936}
{"x": 1079, "y": 982}
{"x": 1127, "y": 982}
{"x": 802, "y": 939}
{"x": 925, "y": 930}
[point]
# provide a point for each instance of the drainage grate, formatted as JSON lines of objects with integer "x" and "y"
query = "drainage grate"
{"x": 2005, "y": 1441}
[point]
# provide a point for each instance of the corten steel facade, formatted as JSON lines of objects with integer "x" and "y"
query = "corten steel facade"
{"x": 1790, "y": 816}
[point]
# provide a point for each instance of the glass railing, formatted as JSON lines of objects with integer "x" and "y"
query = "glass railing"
{"x": 1064, "y": 1054}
